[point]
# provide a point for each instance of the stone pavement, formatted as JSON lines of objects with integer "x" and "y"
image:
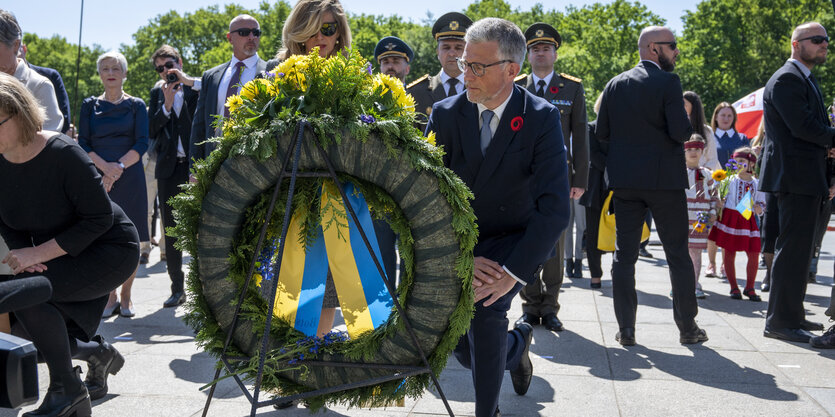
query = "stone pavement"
{"x": 580, "y": 371}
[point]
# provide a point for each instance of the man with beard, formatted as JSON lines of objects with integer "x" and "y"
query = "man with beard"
{"x": 394, "y": 57}
{"x": 224, "y": 80}
{"x": 643, "y": 123}
{"x": 794, "y": 169}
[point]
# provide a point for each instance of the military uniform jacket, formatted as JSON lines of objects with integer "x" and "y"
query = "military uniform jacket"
{"x": 566, "y": 94}
{"x": 426, "y": 90}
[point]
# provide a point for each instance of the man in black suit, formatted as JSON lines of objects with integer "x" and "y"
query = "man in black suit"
{"x": 643, "y": 122}
{"x": 506, "y": 145}
{"x": 57, "y": 83}
{"x": 225, "y": 80}
{"x": 172, "y": 104}
{"x": 794, "y": 169}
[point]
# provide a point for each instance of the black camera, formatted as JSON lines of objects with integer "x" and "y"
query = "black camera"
{"x": 172, "y": 77}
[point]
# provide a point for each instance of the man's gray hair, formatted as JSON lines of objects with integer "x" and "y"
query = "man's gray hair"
{"x": 9, "y": 28}
{"x": 509, "y": 37}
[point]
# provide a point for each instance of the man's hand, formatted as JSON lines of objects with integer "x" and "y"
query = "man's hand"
{"x": 492, "y": 292}
{"x": 832, "y": 153}
{"x": 832, "y": 192}
{"x": 486, "y": 271}
{"x": 576, "y": 193}
{"x": 169, "y": 91}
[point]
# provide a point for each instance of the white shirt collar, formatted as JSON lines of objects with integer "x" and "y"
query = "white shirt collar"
{"x": 497, "y": 112}
{"x": 445, "y": 77}
{"x": 249, "y": 62}
{"x": 803, "y": 68}
{"x": 652, "y": 62}
{"x": 547, "y": 79}
{"x": 720, "y": 132}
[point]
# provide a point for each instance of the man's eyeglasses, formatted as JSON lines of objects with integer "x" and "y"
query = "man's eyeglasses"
{"x": 673, "y": 44}
{"x": 4, "y": 121}
{"x": 817, "y": 39}
{"x": 329, "y": 29}
{"x": 476, "y": 67}
{"x": 246, "y": 31}
{"x": 165, "y": 66}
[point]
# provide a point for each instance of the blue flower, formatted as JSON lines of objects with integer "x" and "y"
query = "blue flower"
{"x": 367, "y": 118}
{"x": 280, "y": 74}
{"x": 368, "y": 68}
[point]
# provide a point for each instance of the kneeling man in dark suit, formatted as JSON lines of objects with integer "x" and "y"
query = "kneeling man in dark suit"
{"x": 506, "y": 145}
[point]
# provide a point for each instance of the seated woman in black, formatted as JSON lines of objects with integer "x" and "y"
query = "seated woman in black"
{"x": 59, "y": 222}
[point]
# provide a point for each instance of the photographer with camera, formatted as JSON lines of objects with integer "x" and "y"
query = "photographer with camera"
{"x": 172, "y": 105}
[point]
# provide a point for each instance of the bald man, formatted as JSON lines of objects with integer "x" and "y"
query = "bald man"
{"x": 223, "y": 81}
{"x": 794, "y": 169}
{"x": 643, "y": 124}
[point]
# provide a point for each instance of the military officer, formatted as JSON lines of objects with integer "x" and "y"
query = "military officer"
{"x": 449, "y": 31}
{"x": 540, "y": 300}
{"x": 394, "y": 57}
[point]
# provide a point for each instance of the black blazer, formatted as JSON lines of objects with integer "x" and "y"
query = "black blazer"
{"x": 166, "y": 129}
{"x": 794, "y": 155}
{"x": 643, "y": 122}
{"x": 598, "y": 189}
{"x": 204, "y": 115}
{"x": 520, "y": 186}
{"x": 60, "y": 92}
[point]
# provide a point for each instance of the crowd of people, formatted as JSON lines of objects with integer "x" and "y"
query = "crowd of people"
{"x": 81, "y": 212}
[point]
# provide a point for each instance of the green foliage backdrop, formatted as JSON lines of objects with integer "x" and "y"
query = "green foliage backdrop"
{"x": 728, "y": 47}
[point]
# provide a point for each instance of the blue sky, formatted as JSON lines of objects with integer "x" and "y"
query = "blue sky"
{"x": 111, "y": 23}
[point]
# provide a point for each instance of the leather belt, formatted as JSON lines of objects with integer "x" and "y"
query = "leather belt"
{"x": 182, "y": 159}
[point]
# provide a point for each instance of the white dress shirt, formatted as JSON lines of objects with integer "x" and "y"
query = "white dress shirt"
{"x": 247, "y": 75}
{"x": 458, "y": 87}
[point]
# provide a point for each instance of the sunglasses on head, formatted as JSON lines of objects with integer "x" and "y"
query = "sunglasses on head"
{"x": 165, "y": 66}
{"x": 817, "y": 39}
{"x": 329, "y": 28}
{"x": 673, "y": 44}
{"x": 246, "y": 31}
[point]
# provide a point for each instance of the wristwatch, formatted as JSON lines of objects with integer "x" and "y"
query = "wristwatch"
{"x": 121, "y": 165}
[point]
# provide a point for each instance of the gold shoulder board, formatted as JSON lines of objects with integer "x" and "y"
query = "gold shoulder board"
{"x": 418, "y": 81}
{"x": 571, "y": 77}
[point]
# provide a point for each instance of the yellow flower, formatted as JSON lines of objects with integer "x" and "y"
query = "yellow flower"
{"x": 719, "y": 174}
{"x": 234, "y": 103}
{"x": 250, "y": 90}
{"x": 699, "y": 227}
{"x": 431, "y": 138}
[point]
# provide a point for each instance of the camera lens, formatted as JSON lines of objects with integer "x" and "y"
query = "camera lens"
{"x": 172, "y": 78}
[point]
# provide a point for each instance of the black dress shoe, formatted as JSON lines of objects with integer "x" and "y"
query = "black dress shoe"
{"x": 792, "y": 335}
{"x": 521, "y": 376}
{"x": 105, "y": 361}
{"x": 824, "y": 341}
{"x": 578, "y": 269}
{"x": 626, "y": 336}
{"x": 66, "y": 397}
{"x": 285, "y": 405}
{"x": 529, "y": 318}
{"x": 811, "y": 326}
{"x": 696, "y": 335}
{"x": 598, "y": 284}
{"x": 644, "y": 253}
{"x": 812, "y": 279}
{"x": 569, "y": 267}
{"x": 177, "y": 298}
{"x": 765, "y": 288}
{"x": 551, "y": 322}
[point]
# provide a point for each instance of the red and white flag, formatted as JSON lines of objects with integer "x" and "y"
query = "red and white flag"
{"x": 749, "y": 111}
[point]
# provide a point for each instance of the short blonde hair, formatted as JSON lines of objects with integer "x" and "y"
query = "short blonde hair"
{"x": 123, "y": 62}
{"x": 305, "y": 20}
{"x": 16, "y": 101}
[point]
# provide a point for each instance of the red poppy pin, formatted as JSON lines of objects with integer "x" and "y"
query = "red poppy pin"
{"x": 554, "y": 89}
{"x": 516, "y": 123}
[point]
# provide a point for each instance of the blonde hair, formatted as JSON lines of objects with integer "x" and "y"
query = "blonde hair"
{"x": 16, "y": 101}
{"x": 305, "y": 20}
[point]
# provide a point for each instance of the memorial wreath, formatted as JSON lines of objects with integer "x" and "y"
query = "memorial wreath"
{"x": 365, "y": 123}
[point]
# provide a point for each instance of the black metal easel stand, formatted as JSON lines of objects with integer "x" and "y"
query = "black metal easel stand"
{"x": 398, "y": 372}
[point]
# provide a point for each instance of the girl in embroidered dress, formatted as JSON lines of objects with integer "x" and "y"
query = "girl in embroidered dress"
{"x": 702, "y": 203}
{"x": 734, "y": 232}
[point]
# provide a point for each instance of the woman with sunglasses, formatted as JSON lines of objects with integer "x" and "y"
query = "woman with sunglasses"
{"x": 311, "y": 24}
{"x": 113, "y": 129}
{"x": 60, "y": 223}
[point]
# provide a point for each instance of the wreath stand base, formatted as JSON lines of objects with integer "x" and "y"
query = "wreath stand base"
{"x": 399, "y": 372}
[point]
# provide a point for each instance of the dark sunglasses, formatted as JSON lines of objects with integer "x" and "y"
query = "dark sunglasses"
{"x": 329, "y": 28}
{"x": 167, "y": 65}
{"x": 673, "y": 44}
{"x": 817, "y": 39}
{"x": 246, "y": 31}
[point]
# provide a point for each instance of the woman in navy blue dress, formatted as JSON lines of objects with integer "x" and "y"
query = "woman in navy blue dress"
{"x": 113, "y": 129}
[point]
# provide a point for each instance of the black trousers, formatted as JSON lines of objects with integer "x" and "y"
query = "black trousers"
{"x": 669, "y": 208}
{"x": 169, "y": 187}
{"x": 542, "y": 296}
{"x": 793, "y": 250}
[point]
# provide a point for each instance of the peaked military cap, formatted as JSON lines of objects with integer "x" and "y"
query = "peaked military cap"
{"x": 542, "y": 32}
{"x": 393, "y": 46}
{"x": 452, "y": 25}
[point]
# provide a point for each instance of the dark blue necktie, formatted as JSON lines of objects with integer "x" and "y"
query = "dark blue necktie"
{"x": 486, "y": 132}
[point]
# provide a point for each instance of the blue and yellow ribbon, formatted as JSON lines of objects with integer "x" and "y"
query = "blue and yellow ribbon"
{"x": 363, "y": 297}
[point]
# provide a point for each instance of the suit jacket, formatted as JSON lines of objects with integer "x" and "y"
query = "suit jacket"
{"x": 643, "y": 122}
{"x": 598, "y": 189}
{"x": 520, "y": 185}
{"x": 167, "y": 129}
{"x": 566, "y": 94}
{"x": 60, "y": 92}
{"x": 427, "y": 91}
{"x": 204, "y": 114}
{"x": 44, "y": 93}
{"x": 794, "y": 155}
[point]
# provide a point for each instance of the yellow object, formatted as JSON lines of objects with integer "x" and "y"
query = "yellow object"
{"x": 719, "y": 174}
{"x": 606, "y": 237}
